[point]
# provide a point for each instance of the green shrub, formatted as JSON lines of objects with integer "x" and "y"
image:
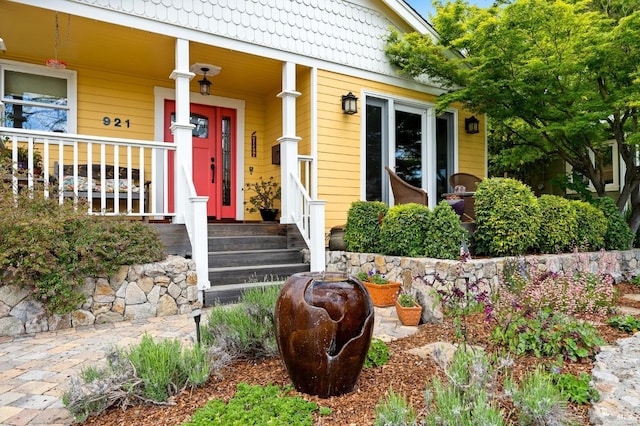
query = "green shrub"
{"x": 49, "y": 248}
{"x": 444, "y": 234}
{"x": 507, "y": 217}
{"x": 393, "y": 410}
{"x": 627, "y": 323}
{"x": 149, "y": 371}
{"x": 158, "y": 364}
{"x": 256, "y": 405}
{"x": 576, "y": 389}
{"x": 618, "y": 235}
{"x": 404, "y": 229}
{"x": 558, "y": 224}
{"x": 246, "y": 329}
{"x": 362, "y": 230}
{"x": 591, "y": 226}
{"x": 378, "y": 354}
{"x": 546, "y": 334}
{"x": 538, "y": 399}
{"x": 464, "y": 400}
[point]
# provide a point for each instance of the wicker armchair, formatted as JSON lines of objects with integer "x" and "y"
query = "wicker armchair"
{"x": 404, "y": 193}
{"x": 470, "y": 183}
{"x": 467, "y": 180}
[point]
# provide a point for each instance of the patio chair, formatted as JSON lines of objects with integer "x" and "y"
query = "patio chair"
{"x": 404, "y": 193}
{"x": 467, "y": 180}
{"x": 470, "y": 183}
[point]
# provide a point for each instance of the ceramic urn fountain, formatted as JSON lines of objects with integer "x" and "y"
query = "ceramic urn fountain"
{"x": 324, "y": 323}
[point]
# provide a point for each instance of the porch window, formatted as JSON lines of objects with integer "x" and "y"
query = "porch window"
{"x": 37, "y": 98}
{"x": 400, "y": 135}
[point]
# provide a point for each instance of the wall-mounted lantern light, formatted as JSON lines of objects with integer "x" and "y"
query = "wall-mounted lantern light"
{"x": 349, "y": 103}
{"x": 3, "y": 47}
{"x": 472, "y": 125}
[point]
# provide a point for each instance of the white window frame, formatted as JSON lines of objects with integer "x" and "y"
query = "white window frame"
{"x": 69, "y": 75}
{"x": 615, "y": 163}
{"x": 427, "y": 110}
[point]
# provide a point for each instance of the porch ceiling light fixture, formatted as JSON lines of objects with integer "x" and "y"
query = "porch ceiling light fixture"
{"x": 349, "y": 103}
{"x": 472, "y": 125}
{"x": 204, "y": 69}
{"x": 3, "y": 46}
{"x": 205, "y": 85}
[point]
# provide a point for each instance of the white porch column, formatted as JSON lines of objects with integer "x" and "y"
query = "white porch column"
{"x": 288, "y": 141}
{"x": 182, "y": 128}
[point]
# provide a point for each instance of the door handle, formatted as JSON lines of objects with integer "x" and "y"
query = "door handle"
{"x": 213, "y": 170}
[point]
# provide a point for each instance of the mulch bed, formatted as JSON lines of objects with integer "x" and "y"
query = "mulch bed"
{"x": 405, "y": 373}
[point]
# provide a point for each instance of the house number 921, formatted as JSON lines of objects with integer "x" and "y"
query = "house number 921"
{"x": 116, "y": 122}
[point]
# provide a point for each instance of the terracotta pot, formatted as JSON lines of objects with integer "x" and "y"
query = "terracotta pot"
{"x": 324, "y": 324}
{"x": 408, "y": 315}
{"x": 383, "y": 295}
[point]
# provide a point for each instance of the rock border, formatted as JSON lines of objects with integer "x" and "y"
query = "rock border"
{"x": 134, "y": 292}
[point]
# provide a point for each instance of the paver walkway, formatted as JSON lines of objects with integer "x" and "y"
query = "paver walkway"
{"x": 35, "y": 369}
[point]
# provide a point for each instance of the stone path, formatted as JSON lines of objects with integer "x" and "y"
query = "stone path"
{"x": 34, "y": 370}
{"x": 616, "y": 376}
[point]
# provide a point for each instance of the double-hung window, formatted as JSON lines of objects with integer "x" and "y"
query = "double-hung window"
{"x": 37, "y": 98}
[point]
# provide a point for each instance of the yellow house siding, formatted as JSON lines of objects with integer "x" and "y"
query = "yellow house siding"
{"x": 471, "y": 149}
{"x": 115, "y": 96}
{"x": 339, "y": 141}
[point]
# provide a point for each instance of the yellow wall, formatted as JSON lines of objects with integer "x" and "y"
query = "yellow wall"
{"x": 339, "y": 141}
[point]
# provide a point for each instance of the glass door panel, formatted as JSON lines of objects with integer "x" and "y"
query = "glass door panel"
{"x": 408, "y": 149}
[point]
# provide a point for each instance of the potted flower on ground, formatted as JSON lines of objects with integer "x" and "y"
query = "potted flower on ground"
{"x": 408, "y": 309}
{"x": 381, "y": 290}
{"x": 266, "y": 193}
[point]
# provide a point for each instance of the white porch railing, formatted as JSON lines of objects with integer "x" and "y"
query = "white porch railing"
{"x": 196, "y": 224}
{"x": 308, "y": 214}
{"x": 116, "y": 176}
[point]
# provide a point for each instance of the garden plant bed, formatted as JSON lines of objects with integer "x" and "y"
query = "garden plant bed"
{"x": 405, "y": 373}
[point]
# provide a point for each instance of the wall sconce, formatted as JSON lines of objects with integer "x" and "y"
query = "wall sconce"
{"x": 205, "y": 85}
{"x": 3, "y": 46}
{"x": 349, "y": 103}
{"x": 472, "y": 125}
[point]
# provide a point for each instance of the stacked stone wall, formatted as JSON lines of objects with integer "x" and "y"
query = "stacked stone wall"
{"x": 134, "y": 292}
{"x": 420, "y": 273}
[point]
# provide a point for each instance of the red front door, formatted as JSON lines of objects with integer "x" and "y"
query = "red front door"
{"x": 214, "y": 143}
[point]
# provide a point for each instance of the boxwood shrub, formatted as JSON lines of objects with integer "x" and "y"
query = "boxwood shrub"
{"x": 507, "y": 217}
{"x": 618, "y": 235}
{"x": 591, "y": 226}
{"x": 558, "y": 224}
{"x": 362, "y": 230}
{"x": 444, "y": 234}
{"x": 404, "y": 229}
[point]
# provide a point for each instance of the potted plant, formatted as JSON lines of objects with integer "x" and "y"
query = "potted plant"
{"x": 266, "y": 193}
{"x": 23, "y": 158}
{"x": 408, "y": 309}
{"x": 381, "y": 290}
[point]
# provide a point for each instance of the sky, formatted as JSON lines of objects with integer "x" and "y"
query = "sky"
{"x": 424, "y": 7}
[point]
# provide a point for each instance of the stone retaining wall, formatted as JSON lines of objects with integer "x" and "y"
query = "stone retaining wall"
{"x": 134, "y": 292}
{"x": 620, "y": 264}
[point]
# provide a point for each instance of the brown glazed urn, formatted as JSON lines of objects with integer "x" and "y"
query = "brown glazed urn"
{"x": 324, "y": 323}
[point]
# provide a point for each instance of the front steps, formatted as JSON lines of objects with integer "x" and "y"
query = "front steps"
{"x": 244, "y": 255}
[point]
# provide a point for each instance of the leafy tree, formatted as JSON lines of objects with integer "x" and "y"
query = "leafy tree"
{"x": 559, "y": 78}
